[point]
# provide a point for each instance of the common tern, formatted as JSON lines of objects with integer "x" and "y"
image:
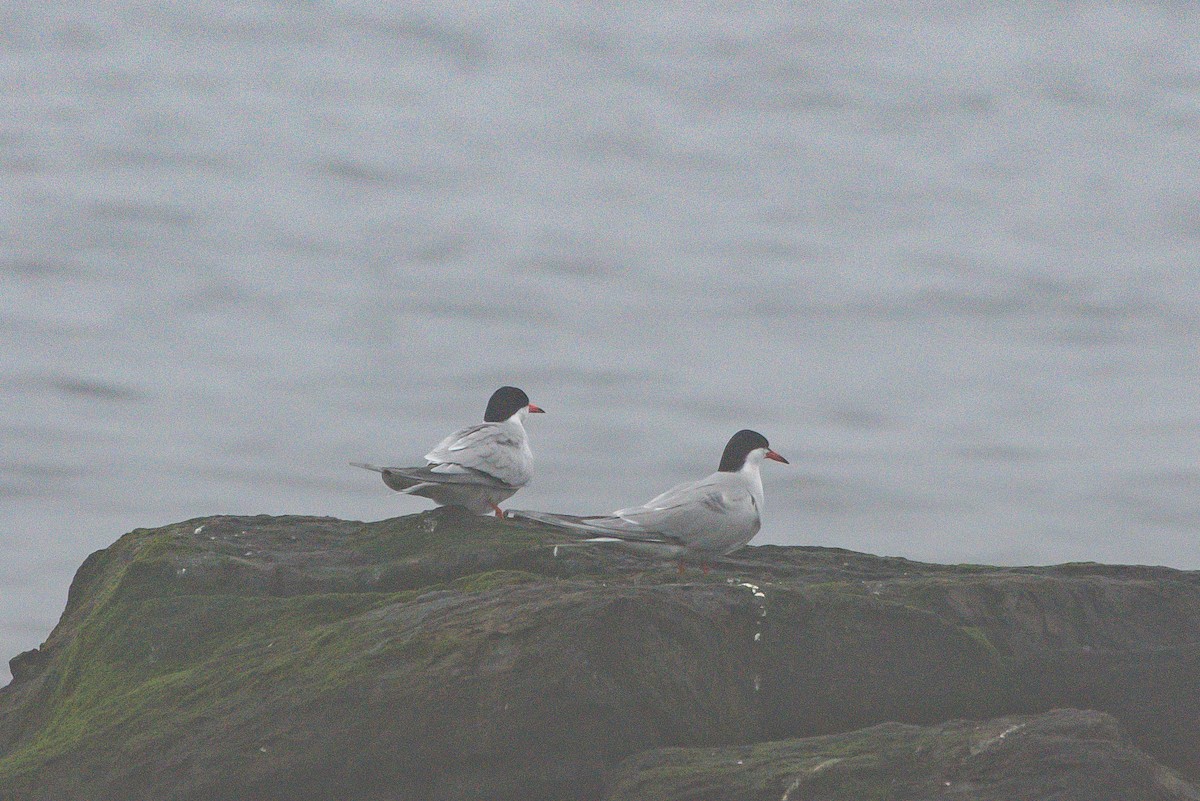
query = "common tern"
{"x": 697, "y": 521}
{"x": 476, "y": 467}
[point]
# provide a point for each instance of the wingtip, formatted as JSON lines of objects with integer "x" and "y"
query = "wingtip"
{"x": 545, "y": 518}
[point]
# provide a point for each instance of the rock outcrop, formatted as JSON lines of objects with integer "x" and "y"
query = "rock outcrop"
{"x": 1065, "y": 755}
{"x": 440, "y": 656}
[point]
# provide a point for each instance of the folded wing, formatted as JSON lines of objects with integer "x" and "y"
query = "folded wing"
{"x": 704, "y": 514}
{"x": 403, "y": 478}
{"x": 712, "y": 515}
{"x": 598, "y": 526}
{"x": 487, "y": 448}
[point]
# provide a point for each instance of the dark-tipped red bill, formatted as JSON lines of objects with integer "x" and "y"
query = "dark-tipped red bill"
{"x": 536, "y": 409}
{"x": 772, "y": 455}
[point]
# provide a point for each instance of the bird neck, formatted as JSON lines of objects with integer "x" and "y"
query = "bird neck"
{"x": 514, "y": 424}
{"x": 750, "y": 474}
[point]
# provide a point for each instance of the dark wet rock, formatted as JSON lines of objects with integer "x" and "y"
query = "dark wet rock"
{"x": 1065, "y": 755}
{"x": 442, "y": 656}
{"x": 26, "y": 665}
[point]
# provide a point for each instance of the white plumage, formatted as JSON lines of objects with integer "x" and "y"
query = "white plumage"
{"x": 476, "y": 467}
{"x": 698, "y": 520}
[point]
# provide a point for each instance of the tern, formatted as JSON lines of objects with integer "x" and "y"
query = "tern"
{"x": 476, "y": 467}
{"x": 697, "y": 521}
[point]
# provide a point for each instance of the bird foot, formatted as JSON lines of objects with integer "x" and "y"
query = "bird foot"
{"x": 498, "y": 510}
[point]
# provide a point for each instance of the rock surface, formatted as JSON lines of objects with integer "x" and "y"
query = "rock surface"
{"x": 440, "y": 656}
{"x": 1065, "y": 755}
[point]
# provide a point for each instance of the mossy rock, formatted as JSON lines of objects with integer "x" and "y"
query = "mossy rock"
{"x": 1065, "y": 755}
{"x": 442, "y": 656}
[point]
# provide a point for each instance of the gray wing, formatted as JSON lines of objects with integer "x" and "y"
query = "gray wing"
{"x": 401, "y": 478}
{"x": 490, "y": 448}
{"x": 713, "y": 514}
{"x": 596, "y": 526}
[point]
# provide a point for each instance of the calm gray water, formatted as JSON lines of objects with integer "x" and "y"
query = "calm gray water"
{"x": 946, "y": 260}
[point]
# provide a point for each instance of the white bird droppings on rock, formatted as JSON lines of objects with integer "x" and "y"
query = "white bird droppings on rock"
{"x": 986, "y": 744}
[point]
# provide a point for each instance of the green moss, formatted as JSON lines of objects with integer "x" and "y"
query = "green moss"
{"x": 886, "y": 761}
{"x": 204, "y": 641}
{"x": 493, "y": 579}
{"x": 141, "y": 667}
{"x": 977, "y": 634}
{"x": 924, "y": 594}
{"x": 150, "y": 656}
{"x": 857, "y": 766}
{"x": 443, "y": 533}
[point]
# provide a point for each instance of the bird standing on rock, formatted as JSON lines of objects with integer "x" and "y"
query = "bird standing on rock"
{"x": 476, "y": 467}
{"x": 697, "y": 521}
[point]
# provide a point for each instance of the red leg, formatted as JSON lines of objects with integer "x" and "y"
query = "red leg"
{"x": 499, "y": 511}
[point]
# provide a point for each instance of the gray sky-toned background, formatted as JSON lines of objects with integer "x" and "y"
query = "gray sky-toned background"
{"x": 944, "y": 257}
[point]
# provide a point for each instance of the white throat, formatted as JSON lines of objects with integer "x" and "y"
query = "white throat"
{"x": 751, "y": 475}
{"x": 515, "y": 425}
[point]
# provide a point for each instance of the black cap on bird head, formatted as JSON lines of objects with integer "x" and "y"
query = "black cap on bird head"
{"x": 504, "y": 403}
{"x": 739, "y": 447}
